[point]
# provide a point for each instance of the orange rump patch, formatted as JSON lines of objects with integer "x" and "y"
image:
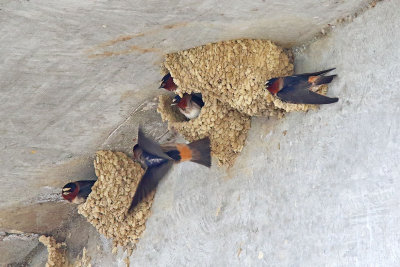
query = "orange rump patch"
{"x": 312, "y": 79}
{"x": 184, "y": 151}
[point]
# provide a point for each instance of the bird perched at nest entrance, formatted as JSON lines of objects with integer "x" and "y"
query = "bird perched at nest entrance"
{"x": 189, "y": 105}
{"x": 297, "y": 89}
{"x": 167, "y": 82}
{"x": 77, "y": 192}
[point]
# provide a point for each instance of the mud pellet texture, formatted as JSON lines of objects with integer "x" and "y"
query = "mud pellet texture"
{"x": 231, "y": 77}
{"x": 107, "y": 207}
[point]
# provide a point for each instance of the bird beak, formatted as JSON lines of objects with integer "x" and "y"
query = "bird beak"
{"x": 174, "y": 102}
{"x": 66, "y": 189}
{"x": 66, "y": 193}
{"x": 161, "y": 86}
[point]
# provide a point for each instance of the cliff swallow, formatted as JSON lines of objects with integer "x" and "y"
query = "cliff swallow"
{"x": 158, "y": 159}
{"x": 296, "y": 89}
{"x": 189, "y": 105}
{"x": 167, "y": 82}
{"x": 77, "y": 192}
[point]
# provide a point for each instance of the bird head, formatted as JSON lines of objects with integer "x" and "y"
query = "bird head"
{"x": 77, "y": 192}
{"x": 167, "y": 82}
{"x": 270, "y": 82}
{"x": 272, "y": 86}
{"x": 70, "y": 191}
{"x": 137, "y": 152}
{"x": 181, "y": 102}
{"x": 176, "y": 100}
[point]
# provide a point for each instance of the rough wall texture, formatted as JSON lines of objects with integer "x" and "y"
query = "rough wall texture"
{"x": 319, "y": 188}
{"x": 71, "y": 71}
{"x": 315, "y": 189}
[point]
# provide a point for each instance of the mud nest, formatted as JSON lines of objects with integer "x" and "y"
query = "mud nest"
{"x": 57, "y": 254}
{"x": 231, "y": 76}
{"x": 84, "y": 261}
{"x": 226, "y": 127}
{"x": 107, "y": 207}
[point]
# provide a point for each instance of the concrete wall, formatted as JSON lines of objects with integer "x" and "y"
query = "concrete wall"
{"x": 74, "y": 79}
{"x": 69, "y": 79}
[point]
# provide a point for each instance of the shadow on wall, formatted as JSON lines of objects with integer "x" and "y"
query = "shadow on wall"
{"x": 40, "y": 218}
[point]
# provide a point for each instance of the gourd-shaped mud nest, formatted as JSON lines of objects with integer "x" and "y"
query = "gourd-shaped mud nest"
{"x": 231, "y": 77}
{"x": 107, "y": 207}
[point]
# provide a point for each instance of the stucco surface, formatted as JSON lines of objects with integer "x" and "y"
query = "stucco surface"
{"x": 313, "y": 189}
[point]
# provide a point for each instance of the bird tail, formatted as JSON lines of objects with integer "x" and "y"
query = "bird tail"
{"x": 198, "y": 151}
{"x": 316, "y": 73}
{"x": 318, "y": 99}
{"x": 201, "y": 151}
{"x": 319, "y": 80}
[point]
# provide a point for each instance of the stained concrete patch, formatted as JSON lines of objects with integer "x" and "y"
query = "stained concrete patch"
{"x": 42, "y": 218}
{"x": 15, "y": 247}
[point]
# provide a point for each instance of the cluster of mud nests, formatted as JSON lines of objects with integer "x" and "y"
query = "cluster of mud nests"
{"x": 231, "y": 77}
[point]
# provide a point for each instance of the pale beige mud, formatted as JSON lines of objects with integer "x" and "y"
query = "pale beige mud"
{"x": 57, "y": 254}
{"x": 231, "y": 77}
{"x": 107, "y": 207}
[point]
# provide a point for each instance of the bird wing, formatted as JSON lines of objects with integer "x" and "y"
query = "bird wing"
{"x": 149, "y": 182}
{"x": 150, "y": 146}
{"x": 300, "y": 94}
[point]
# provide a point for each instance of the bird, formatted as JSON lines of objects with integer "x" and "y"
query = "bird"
{"x": 296, "y": 89}
{"x": 158, "y": 159}
{"x": 189, "y": 105}
{"x": 167, "y": 82}
{"x": 78, "y": 191}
